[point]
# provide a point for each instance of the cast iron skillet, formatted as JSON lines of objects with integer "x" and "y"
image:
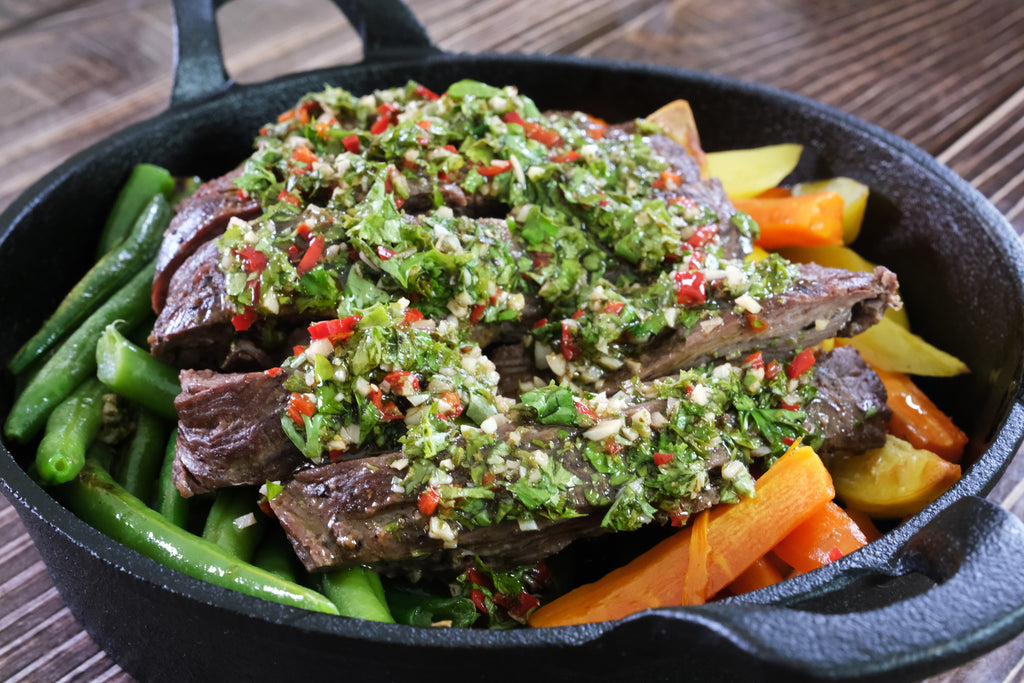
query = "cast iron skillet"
{"x": 939, "y": 589}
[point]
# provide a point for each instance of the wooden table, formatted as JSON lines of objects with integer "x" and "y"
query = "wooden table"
{"x": 946, "y": 74}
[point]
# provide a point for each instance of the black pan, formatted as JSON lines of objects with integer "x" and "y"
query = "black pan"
{"x": 937, "y": 590}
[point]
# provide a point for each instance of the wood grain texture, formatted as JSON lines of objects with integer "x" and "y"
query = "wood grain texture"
{"x": 947, "y": 75}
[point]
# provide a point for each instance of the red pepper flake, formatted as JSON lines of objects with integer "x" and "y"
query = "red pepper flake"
{"x": 450, "y": 148}
{"x": 242, "y": 194}
{"x": 578, "y": 314}
{"x": 614, "y": 307}
{"x": 477, "y": 314}
{"x": 285, "y": 196}
{"x": 690, "y": 287}
{"x": 789, "y": 406}
{"x": 755, "y": 360}
{"x": 788, "y": 440}
{"x": 303, "y": 112}
{"x": 380, "y": 125}
{"x": 409, "y": 164}
{"x": 424, "y": 124}
{"x": 426, "y": 93}
{"x": 322, "y": 128}
{"x": 243, "y": 321}
{"x": 351, "y": 143}
{"x": 540, "y": 323}
{"x": 678, "y": 518}
{"x": 273, "y": 372}
{"x": 253, "y": 260}
{"x": 412, "y": 315}
{"x": 612, "y": 446}
{"x": 304, "y": 155}
{"x": 688, "y": 202}
{"x": 668, "y": 180}
{"x": 384, "y": 253}
{"x": 304, "y": 231}
{"x": 702, "y": 236}
{"x": 834, "y": 554}
{"x": 570, "y": 349}
{"x": 800, "y": 364}
{"x": 428, "y": 501}
{"x": 566, "y": 158}
{"x": 477, "y": 596}
{"x": 756, "y": 322}
{"x": 336, "y": 330}
{"x": 399, "y": 202}
{"x": 772, "y": 369}
{"x": 264, "y": 130}
{"x": 286, "y": 116}
{"x": 454, "y": 403}
{"x": 662, "y": 459}
{"x": 497, "y": 167}
{"x": 299, "y": 405}
{"x": 534, "y": 131}
{"x": 513, "y": 117}
{"x": 595, "y": 127}
{"x": 402, "y": 382}
{"x": 312, "y": 255}
{"x": 583, "y": 409}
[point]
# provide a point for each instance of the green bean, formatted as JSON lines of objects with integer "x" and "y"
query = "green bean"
{"x": 275, "y": 555}
{"x": 233, "y": 522}
{"x": 145, "y": 182}
{"x": 139, "y": 465}
{"x": 357, "y": 592}
{"x": 130, "y": 371}
{"x": 109, "y": 273}
{"x": 70, "y": 430}
{"x": 97, "y": 499}
{"x": 75, "y": 358}
{"x": 416, "y": 609}
{"x": 167, "y": 500}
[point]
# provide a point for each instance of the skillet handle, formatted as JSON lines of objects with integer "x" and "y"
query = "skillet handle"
{"x": 387, "y": 28}
{"x": 971, "y": 551}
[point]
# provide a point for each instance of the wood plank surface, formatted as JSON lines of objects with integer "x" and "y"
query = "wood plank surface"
{"x": 948, "y": 75}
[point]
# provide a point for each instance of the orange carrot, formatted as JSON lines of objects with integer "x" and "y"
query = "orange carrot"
{"x": 737, "y": 535}
{"x": 825, "y": 536}
{"x": 761, "y": 574}
{"x": 808, "y": 220}
{"x": 915, "y": 418}
{"x": 866, "y": 524}
{"x": 775, "y": 193}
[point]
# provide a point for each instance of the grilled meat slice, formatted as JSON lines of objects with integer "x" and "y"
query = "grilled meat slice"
{"x": 238, "y": 417}
{"x": 822, "y": 303}
{"x": 199, "y": 218}
{"x": 351, "y": 513}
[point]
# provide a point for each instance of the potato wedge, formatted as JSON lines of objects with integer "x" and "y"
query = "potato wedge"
{"x": 748, "y": 172}
{"x": 895, "y": 480}
{"x": 855, "y": 200}
{"x": 893, "y": 348}
{"x": 676, "y": 120}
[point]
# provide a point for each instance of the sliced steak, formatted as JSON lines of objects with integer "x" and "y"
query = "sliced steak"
{"x": 238, "y": 417}
{"x": 199, "y": 218}
{"x": 194, "y": 330}
{"x": 822, "y": 303}
{"x": 849, "y": 410}
{"x": 351, "y": 513}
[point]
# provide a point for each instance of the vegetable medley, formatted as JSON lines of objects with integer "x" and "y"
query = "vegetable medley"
{"x": 410, "y": 231}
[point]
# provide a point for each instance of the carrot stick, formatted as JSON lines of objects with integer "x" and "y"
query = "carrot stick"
{"x": 825, "y": 536}
{"x": 761, "y": 574}
{"x": 917, "y": 420}
{"x": 807, "y": 220}
{"x": 737, "y": 535}
{"x": 866, "y": 524}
